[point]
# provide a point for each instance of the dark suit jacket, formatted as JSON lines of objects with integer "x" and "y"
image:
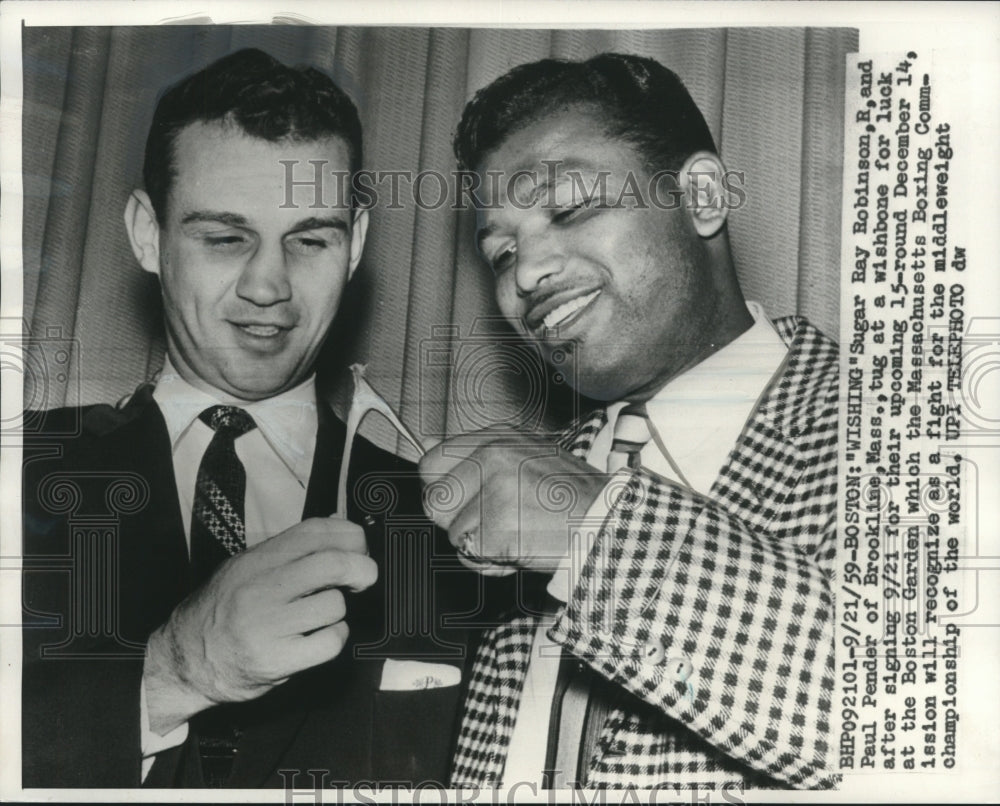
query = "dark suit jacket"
{"x": 106, "y": 562}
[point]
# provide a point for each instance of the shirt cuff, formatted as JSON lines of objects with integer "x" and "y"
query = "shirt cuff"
{"x": 582, "y": 538}
{"x": 153, "y": 743}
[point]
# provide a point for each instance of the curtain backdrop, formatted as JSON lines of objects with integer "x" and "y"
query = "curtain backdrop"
{"x": 420, "y": 310}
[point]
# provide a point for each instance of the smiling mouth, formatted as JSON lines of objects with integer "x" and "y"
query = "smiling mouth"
{"x": 261, "y": 331}
{"x": 566, "y": 312}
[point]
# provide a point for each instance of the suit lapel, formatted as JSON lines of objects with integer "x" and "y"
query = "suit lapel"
{"x": 492, "y": 703}
{"x": 322, "y": 490}
{"x": 765, "y": 465}
{"x": 581, "y": 434}
{"x": 262, "y": 745}
{"x": 153, "y": 551}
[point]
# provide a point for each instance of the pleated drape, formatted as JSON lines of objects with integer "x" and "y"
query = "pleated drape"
{"x": 420, "y": 312}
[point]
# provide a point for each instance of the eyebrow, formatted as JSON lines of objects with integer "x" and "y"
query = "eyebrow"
{"x": 539, "y": 188}
{"x": 320, "y": 223}
{"x": 230, "y": 219}
{"x": 237, "y": 220}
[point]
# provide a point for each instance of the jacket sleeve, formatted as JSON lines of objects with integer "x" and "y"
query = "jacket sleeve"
{"x": 80, "y": 706}
{"x": 79, "y": 683}
{"x": 678, "y": 592}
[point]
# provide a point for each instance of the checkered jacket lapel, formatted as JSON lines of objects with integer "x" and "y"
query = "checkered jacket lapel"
{"x": 492, "y": 701}
{"x": 781, "y": 463}
{"x": 760, "y": 631}
{"x": 581, "y": 434}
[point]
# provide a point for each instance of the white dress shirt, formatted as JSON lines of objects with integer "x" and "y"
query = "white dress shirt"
{"x": 697, "y": 417}
{"x": 277, "y": 456}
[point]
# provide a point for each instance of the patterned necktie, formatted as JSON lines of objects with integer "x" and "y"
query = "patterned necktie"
{"x": 217, "y": 528}
{"x": 582, "y": 699}
{"x": 217, "y": 532}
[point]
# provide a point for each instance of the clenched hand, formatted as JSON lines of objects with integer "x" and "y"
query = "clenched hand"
{"x": 272, "y": 611}
{"x": 507, "y": 500}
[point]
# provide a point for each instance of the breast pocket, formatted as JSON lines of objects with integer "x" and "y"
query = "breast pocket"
{"x": 413, "y": 734}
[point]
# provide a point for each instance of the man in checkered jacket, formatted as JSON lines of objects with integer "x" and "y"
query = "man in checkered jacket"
{"x": 685, "y": 532}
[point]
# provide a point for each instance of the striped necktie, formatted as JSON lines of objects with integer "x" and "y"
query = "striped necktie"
{"x": 630, "y": 436}
{"x": 582, "y": 700}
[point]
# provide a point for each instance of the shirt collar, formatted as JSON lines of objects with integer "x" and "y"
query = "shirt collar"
{"x": 288, "y": 422}
{"x": 700, "y": 414}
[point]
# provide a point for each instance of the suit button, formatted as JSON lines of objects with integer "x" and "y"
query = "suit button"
{"x": 654, "y": 653}
{"x": 680, "y": 669}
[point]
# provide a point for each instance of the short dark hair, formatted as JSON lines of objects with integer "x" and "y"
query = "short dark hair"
{"x": 262, "y": 96}
{"x": 638, "y": 100}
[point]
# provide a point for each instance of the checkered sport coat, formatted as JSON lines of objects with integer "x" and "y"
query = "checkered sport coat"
{"x": 730, "y": 593}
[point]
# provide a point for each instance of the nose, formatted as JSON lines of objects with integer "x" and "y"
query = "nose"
{"x": 264, "y": 280}
{"x": 540, "y": 258}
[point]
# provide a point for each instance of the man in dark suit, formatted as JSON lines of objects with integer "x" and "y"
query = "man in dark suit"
{"x": 687, "y": 639}
{"x": 194, "y": 616}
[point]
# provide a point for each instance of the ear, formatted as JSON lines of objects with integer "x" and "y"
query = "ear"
{"x": 705, "y": 192}
{"x": 358, "y": 232}
{"x": 143, "y": 231}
